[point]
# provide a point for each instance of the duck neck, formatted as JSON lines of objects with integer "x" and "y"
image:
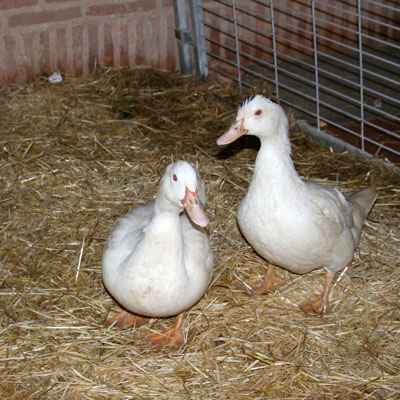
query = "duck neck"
{"x": 164, "y": 233}
{"x": 274, "y": 167}
{"x": 167, "y": 213}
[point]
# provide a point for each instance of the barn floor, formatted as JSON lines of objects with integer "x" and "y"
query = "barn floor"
{"x": 77, "y": 155}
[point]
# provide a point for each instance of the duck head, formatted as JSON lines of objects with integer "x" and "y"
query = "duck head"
{"x": 258, "y": 116}
{"x": 179, "y": 190}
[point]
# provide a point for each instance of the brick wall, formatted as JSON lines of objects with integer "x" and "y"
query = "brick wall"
{"x": 41, "y": 36}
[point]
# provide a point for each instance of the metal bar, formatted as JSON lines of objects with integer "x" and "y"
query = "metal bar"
{"x": 274, "y": 49}
{"x": 382, "y": 4}
{"x": 181, "y": 25}
{"x": 327, "y": 140}
{"x": 217, "y": 14}
{"x": 250, "y": 12}
{"x": 299, "y": 29}
{"x": 351, "y": 132}
{"x": 226, "y": 75}
{"x": 326, "y": 89}
{"x": 347, "y": 29}
{"x": 378, "y": 3}
{"x": 332, "y": 92}
{"x": 340, "y": 61}
{"x": 295, "y": 106}
{"x": 382, "y": 42}
{"x": 237, "y": 50}
{"x": 219, "y": 29}
{"x": 357, "y": 74}
{"x": 238, "y": 22}
{"x": 283, "y": 86}
{"x": 383, "y": 130}
{"x": 338, "y": 145}
{"x": 317, "y": 103}
{"x": 375, "y": 143}
{"x": 198, "y": 35}
{"x": 250, "y": 42}
{"x": 360, "y": 47}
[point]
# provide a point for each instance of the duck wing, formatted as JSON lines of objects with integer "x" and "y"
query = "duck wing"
{"x": 338, "y": 212}
{"x": 128, "y": 233}
{"x": 332, "y": 208}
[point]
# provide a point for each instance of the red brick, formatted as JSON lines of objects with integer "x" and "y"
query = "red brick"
{"x": 61, "y": 42}
{"x": 171, "y": 44}
{"x": 10, "y": 4}
{"x": 60, "y": 1}
{"x": 108, "y": 46}
{"x": 215, "y": 36}
{"x": 168, "y": 3}
{"x": 28, "y": 54}
{"x": 124, "y": 45}
{"x": 77, "y": 45}
{"x": 44, "y": 51}
{"x": 34, "y": 18}
{"x": 11, "y": 65}
{"x": 153, "y": 45}
{"x": 123, "y": 8}
{"x": 139, "y": 48}
{"x": 93, "y": 46}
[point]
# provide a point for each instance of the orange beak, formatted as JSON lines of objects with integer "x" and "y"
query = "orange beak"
{"x": 194, "y": 208}
{"x": 235, "y": 131}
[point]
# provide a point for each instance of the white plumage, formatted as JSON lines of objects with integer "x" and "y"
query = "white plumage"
{"x": 297, "y": 225}
{"x": 157, "y": 260}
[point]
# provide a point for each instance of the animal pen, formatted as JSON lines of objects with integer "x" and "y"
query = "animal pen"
{"x": 78, "y": 154}
{"x": 336, "y": 64}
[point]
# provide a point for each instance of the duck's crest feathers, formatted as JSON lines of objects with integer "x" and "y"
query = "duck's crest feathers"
{"x": 248, "y": 99}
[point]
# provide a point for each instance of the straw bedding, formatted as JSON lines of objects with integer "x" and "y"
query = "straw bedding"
{"x": 77, "y": 155}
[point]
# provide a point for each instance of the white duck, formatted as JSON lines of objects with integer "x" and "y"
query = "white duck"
{"x": 294, "y": 224}
{"x": 156, "y": 262}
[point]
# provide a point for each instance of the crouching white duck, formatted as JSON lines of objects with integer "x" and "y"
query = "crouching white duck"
{"x": 157, "y": 261}
{"x": 294, "y": 224}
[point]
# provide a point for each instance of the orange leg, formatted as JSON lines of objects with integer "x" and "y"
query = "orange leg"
{"x": 267, "y": 285}
{"x": 321, "y": 306}
{"x": 171, "y": 336}
{"x": 125, "y": 319}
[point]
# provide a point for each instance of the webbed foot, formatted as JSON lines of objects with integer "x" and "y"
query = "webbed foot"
{"x": 266, "y": 286}
{"x": 125, "y": 319}
{"x": 170, "y": 337}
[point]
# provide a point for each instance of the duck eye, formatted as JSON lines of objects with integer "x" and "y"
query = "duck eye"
{"x": 175, "y": 178}
{"x": 258, "y": 112}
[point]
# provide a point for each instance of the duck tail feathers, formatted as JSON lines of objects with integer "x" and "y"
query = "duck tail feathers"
{"x": 362, "y": 200}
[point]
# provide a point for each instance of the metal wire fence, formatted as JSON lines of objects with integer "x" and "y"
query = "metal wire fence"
{"x": 335, "y": 63}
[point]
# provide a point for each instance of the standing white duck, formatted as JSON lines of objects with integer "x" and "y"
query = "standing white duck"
{"x": 156, "y": 261}
{"x": 294, "y": 224}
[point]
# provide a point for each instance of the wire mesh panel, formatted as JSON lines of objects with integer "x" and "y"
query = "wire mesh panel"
{"x": 335, "y": 63}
